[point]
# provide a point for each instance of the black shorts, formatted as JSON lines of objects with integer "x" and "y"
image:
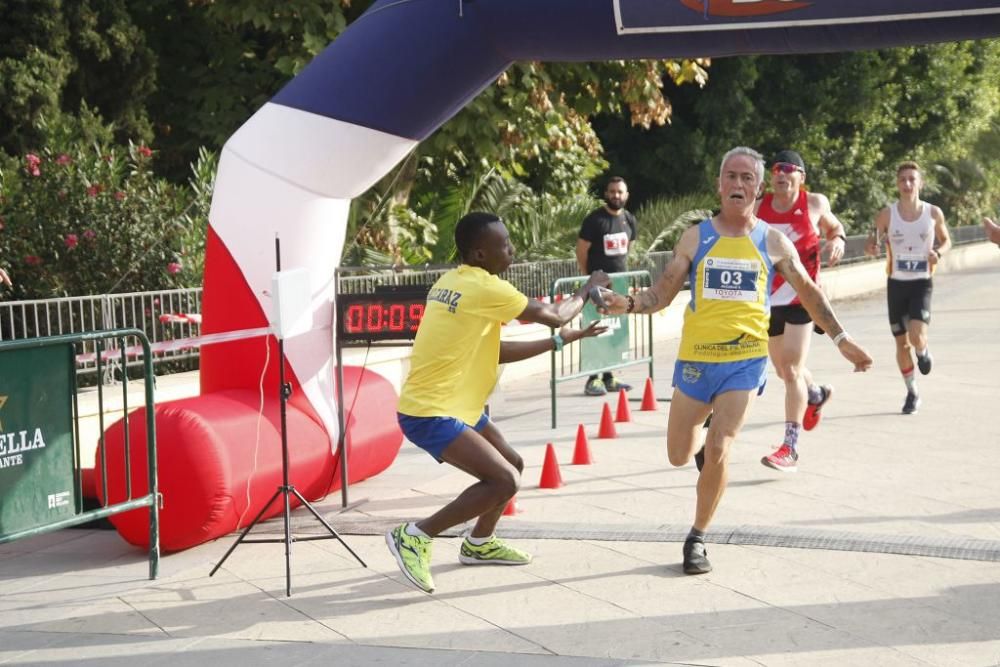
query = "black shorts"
{"x": 908, "y": 300}
{"x": 782, "y": 315}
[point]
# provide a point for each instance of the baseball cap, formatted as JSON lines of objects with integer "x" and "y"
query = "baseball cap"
{"x": 789, "y": 157}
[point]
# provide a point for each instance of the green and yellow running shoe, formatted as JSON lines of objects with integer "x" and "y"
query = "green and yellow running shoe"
{"x": 494, "y": 552}
{"x": 413, "y": 555}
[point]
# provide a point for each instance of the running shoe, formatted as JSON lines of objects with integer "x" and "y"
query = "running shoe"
{"x": 696, "y": 557}
{"x": 812, "y": 416}
{"x": 413, "y": 555}
{"x": 912, "y": 403}
{"x": 784, "y": 459}
{"x": 595, "y": 388}
{"x": 614, "y": 385}
{"x": 924, "y": 363}
{"x": 494, "y": 552}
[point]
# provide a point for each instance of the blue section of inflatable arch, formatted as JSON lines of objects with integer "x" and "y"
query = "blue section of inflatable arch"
{"x": 407, "y": 66}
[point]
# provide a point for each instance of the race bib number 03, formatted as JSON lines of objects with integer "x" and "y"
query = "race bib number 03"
{"x": 730, "y": 279}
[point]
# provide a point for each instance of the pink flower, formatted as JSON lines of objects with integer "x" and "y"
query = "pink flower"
{"x": 109, "y": 158}
{"x": 71, "y": 241}
{"x": 145, "y": 151}
{"x": 32, "y": 260}
{"x": 119, "y": 195}
{"x": 94, "y": 190}
{"x": 89, "y": 234}
{"x": 32, "y": 161}
{"x": 173, "y": 267}
{"x": 64, "y": 160}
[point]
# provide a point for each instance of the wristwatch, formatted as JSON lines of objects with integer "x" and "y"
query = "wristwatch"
{"x": 558, "y": 341}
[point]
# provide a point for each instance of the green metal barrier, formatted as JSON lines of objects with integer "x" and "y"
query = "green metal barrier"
{"x": 628, "y": 342}
{"x": 40, "y": 469}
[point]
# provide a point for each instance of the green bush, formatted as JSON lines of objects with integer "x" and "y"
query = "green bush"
{"x": 664, "y": 219}
{"x": 82, "y": 215}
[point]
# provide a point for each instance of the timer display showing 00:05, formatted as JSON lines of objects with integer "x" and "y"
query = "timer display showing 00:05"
{"x": 378, "y": 317}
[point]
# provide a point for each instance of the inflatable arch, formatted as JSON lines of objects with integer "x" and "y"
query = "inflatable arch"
{"x": 392, "y": 78}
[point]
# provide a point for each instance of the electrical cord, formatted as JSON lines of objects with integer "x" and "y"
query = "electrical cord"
{"x": 260, "y": 417}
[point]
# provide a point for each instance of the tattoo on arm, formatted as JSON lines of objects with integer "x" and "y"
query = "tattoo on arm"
{"x": 647, "y": 301}
{"x": 826, "y": 319}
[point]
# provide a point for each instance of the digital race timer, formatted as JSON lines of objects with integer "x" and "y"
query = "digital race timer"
{"x": 391, "y": 313}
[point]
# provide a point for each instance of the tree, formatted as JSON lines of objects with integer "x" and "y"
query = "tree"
{"x": 853, "y": 117}
{"x": 55, "y": 54}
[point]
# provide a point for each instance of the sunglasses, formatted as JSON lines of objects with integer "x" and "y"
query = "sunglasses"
{"x": 786, "y": 168}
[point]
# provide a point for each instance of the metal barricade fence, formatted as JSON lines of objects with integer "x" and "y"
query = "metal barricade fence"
{"x": 41, "y": 480}
{"x": 163, "y": 316}
{"x": 628, "y": 342}
{"x": 175, "y": 314}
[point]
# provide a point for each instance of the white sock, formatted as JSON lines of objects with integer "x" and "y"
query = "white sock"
{"x": 479, "y": 541}
{"x": 922, "y": 353}
{"x": 411, "y": 529}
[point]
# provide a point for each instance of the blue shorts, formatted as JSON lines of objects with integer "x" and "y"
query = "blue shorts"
{"x": 703, "y": 381}
{"x": 434, "y": 434}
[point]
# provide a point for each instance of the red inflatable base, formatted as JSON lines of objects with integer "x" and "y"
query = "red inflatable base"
{"x": 219, "y": 458}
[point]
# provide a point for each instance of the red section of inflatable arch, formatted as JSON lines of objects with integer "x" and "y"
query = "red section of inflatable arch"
{"x": 206, "y": 452}
{"x": 229, "y": 305}
{"x": 218, "y": 455}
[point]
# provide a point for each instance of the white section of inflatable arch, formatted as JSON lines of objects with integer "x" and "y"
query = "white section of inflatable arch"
{"x": 292, "y": 173}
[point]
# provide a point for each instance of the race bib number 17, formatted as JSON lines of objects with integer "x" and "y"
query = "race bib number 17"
{"x": 730, "y": 279}
{"x": 911, "y": 263}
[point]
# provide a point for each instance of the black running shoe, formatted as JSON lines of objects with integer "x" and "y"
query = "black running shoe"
{"x": 924, "y": 363}
{"x": 695, "y": 557}
{"x": 912, "y": 403}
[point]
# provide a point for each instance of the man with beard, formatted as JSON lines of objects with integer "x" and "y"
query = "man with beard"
{"x": 729, "y": 261}
{"x": 604, "y": 240}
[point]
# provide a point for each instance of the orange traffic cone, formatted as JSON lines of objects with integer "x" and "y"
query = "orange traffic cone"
{"x": 551, "y": 477}
{"x": 648, "y": 397}
{"x": 607, "y": 428}
{"x": 512, "y": 507}
{"x": 623, "y": 414}
{"x": 581, "y": 453}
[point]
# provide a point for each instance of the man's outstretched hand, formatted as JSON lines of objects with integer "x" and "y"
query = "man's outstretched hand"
{"x": 855, "y": 354}
{"x": 570, "y": 335}
{"x": 598, "y": 279}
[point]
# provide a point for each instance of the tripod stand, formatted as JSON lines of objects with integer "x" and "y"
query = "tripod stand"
{"x": 286, "y": 489}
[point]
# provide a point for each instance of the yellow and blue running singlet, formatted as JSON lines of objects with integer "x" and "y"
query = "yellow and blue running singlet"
{"x": 730, "y": 307}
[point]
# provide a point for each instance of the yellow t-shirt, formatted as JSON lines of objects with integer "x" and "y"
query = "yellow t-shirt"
{"x": 456, "y": 354}
{"x": 730, "y": 309}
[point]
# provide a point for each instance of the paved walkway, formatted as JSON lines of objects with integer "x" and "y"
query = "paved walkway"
{"x": 875, "y": 493}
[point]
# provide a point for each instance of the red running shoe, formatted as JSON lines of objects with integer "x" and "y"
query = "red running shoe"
{"x": 812, "y": 416}
{"x": 784, "y": 459}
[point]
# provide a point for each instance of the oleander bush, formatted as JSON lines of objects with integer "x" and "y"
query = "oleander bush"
{"x": 83, "y": 214}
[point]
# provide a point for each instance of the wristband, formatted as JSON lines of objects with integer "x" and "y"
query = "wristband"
{"x": 558, "y": 341}
{"x": 841, "y": 237}
{"x": 631, "y": 304}
{"x": 840, "y": 337}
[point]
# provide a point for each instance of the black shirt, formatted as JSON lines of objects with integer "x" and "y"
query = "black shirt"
{"x": 609, "y": 236}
